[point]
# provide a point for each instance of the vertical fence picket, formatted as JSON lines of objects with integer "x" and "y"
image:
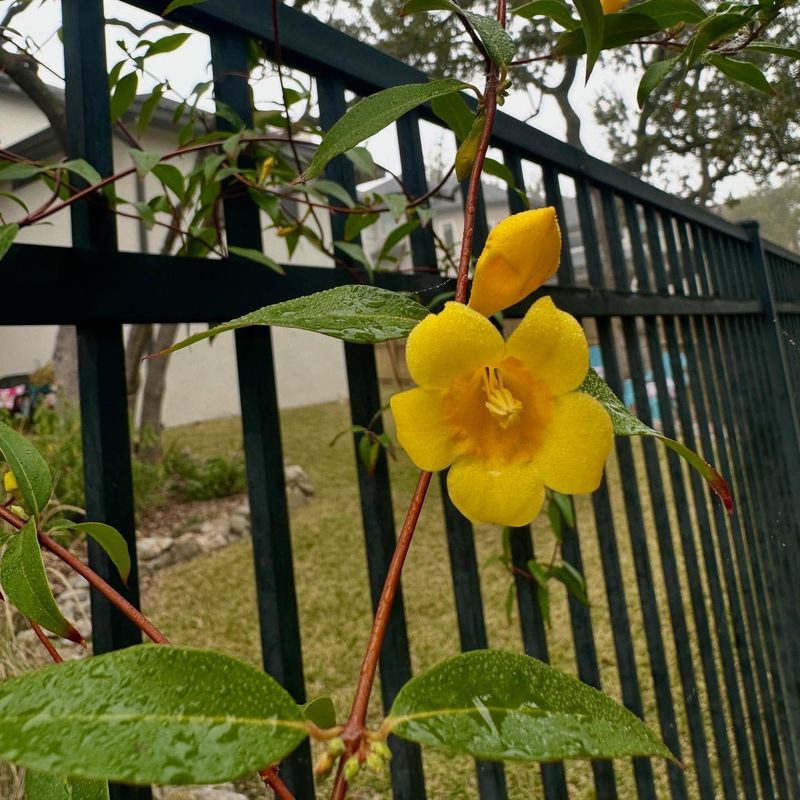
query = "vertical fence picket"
{"x": 101, "y": 354}
{"x": 375, "y": 491}
{"x": 272, "y": 547}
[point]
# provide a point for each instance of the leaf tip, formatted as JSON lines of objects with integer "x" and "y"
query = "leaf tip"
{"x": 720, "y": 487}
{"x": 74, "y": 635}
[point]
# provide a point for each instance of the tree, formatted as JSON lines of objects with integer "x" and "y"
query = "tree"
{"x": 700, "y": 127}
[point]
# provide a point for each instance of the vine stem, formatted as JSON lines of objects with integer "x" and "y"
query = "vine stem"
{"x": 354, "y": 729}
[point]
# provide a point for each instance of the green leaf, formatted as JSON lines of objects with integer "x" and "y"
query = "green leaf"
{"x": 775, "y": 49}
{"x": 166, "y": 44}
{"x": 713, "y": 29}
{"x": 124, "y": 94}
{"x": 626, "y": 424}
{"x": 145, "y": 160}
{"x": 321, "y": 712}
{"x": 504, "y": 706}
{"x": 361, "y": 159}
{"x": 497, "y": 169}
{"x": 499, "y": 45}
{"x": 395, "y": 237}
{"x": 355, "y": 252}
{"x": 653, "y": 75}
{"x": 357, "y": 222}
{"x": 165, "y": 715}
{"x": 371, "y": 115}
{"x": 538, "y": 572}
{"x": 468, "y": 149}
{"x": 25, "y": 584}
{"x": 397, "y": 205}
{"x": 83, "y": 168}
{"x": 29, "y": 468}
{"x": 176, "y": 4}
{"x": 593, "y": 25}
{"x": 556, "y": 10}
{"x": 14, "y": 171}
{"x": 556, "y": 521}
{"x": 543, "y": 601}
{"x": 742, "y": 71}
{"x": 668, "y": 13}
{"x": 564, "y": 503}
{"x": 573, "y": 581}
{"x": 171, "y": 177}
{"x": 619, "y": 29}
{"x": 453, "y": 110}
{"x": 112, "y": 541}
{"x": 355, "y": 313}
{"x": 41, "y": 786}
{"x": 332, "y": 189}
{"x": 423, "y": 6}
{"x": 149, "y": 107}
{"x": 257, "y": 256}
{"x": 7, "y": 235}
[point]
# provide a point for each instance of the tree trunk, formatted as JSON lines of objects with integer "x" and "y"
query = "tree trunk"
{"x": 65, "y": 365}
{"x": 153, "y": 395}
{"x": 139, "y": 343}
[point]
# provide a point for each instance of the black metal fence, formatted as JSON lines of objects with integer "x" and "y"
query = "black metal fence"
{"x": 707, "y": 343}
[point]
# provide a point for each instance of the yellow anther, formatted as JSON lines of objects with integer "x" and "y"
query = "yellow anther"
{"x": 500, "y": 402}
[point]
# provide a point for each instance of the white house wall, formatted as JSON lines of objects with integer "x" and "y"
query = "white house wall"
{"x": 201, "y": 382}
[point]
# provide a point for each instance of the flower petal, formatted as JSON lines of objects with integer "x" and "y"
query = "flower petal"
{"x": 521, "y": 253}
{"x": 453, "y": 343}
{"x": 575, "y": 445}
{"x": 612, "y": 6}
{"x": 422, "y": 429}
{"x": 509, "y": 495}
{"x": 552, "y": 345}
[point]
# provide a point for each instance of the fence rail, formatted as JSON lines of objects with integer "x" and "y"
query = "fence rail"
{"x": 697, "y": 317}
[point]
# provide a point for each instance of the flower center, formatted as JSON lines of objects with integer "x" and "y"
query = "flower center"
{"x": 504, "y": 407}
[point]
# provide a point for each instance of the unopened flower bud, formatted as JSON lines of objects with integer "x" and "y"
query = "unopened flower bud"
{"x": 324, "y": 764}
{"x": 336, "y": 746}
{"x": 351, "y": 768}
{"x": 375, "y": 763}
{"x": 10, "y": 482}
{"x": 382, "y": 749}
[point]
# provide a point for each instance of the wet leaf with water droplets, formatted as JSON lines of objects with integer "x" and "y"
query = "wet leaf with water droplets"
{"x": 360, "y": 314}
{"x": 39, "y": 786}
{"x": 626, "y": 424}
{"x": 165, "y": 715}
{"x": 26, "y": 587}
{"x": 506, "y": 706}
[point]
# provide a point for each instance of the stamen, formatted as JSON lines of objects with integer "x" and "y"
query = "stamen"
{"x": 500, "y": 402}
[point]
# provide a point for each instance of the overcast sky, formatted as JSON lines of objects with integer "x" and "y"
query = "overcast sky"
{"x": 189, "y": 65}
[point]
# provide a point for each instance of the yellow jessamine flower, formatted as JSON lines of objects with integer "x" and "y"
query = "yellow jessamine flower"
{"x": 612, "y": 6}
{"x": 504, "y": 415}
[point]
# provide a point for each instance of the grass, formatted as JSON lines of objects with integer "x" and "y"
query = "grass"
{"x": 210, "y": 601}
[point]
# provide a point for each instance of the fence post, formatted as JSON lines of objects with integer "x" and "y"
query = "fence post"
{"x": 784, "y": 599}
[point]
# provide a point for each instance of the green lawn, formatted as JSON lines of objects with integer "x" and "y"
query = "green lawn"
{"x": 211, "y": 600}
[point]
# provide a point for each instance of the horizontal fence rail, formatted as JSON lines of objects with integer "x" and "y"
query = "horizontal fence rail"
{"x": 695, "y": 323}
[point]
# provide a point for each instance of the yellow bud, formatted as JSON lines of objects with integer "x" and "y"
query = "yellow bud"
{"x": 612, "y": 6}
{"x": 351, "y": 768}
{"x": 287, "y": 230}
{"x": 10, "y": 482}
{"x": 266, "y": 169}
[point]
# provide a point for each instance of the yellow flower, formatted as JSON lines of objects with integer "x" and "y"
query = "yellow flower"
{"x": 612, "y": 6}
{"x": 10, "y": 482}
{"x": 504, "y": 415}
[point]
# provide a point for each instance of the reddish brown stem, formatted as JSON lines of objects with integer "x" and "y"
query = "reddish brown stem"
{"x": 273, "y": 780}
{"x": 354, "y": 729}
{"x": 471, "y": 205}
{"x": 111, "y": 594}
{"x": 48, "y": 645}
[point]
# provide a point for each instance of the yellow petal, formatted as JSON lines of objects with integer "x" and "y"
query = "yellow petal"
{"x": 422, "y": 429}
{"x": 521, "y": 253}
{"x": 612, "y": 6}
{"x": 453, "y": 343}
{"x": 552, "y": 345}
{"x": 510, "y": 495}
{"x": 576, "y": 444}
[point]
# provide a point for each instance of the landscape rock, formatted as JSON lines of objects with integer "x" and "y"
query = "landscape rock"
{"x": 152, "y": 547}
{"x": 239, "y": 525}
{"x": 221, "y": 792}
